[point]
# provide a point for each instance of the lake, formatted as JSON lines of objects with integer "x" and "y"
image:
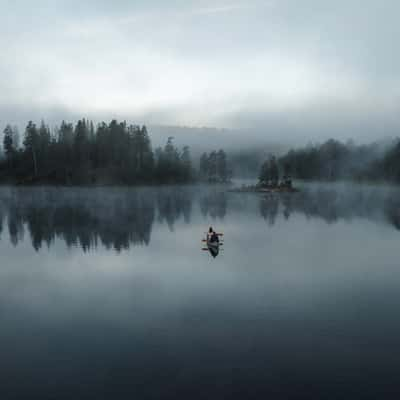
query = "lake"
{"x": 107, "y": 293}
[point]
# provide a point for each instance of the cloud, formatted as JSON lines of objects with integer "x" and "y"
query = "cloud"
{"x": 224, "y": 64}
{"x": 220, "y": 9}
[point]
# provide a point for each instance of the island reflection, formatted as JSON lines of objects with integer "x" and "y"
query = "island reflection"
{"x": 333, "y": 204}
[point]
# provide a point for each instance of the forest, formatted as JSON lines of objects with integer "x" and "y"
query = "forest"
{"x": 118, "y": 153}
{"x": 334, "y": 160}
{"x": 85, "y": 154}
{"x": 114, "y": 153}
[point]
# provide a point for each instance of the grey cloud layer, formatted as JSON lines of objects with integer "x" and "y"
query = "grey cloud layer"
{"x": 293, "y": 68}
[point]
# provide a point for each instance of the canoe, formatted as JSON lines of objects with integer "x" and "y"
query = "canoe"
{"x": 213, "y": 247}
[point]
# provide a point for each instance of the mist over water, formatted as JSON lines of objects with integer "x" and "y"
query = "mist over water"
{"x": 107, "y": 293}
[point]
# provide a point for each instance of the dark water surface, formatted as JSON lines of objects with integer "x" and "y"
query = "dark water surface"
{"x": 106, "y": 293}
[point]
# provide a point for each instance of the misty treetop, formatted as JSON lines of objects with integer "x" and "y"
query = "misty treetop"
{"x": 214, "y": 167}
{"x": 85, "y": 154}
{"x": 269, "y": 173}
{"x": 334, "y": 160}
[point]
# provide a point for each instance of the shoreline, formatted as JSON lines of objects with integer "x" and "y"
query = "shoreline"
{"x": 256, "y": 189}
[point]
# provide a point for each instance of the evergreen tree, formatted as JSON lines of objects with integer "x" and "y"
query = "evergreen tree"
{"x": 168, "y": 163}
{"x": 102, "y": 158}
{"x": 204, "y": 166}
{"x": 44, "y": 145}
{"x": 147, "y": 157}
{"x": 186, "y": 164}
{"x": 8, "y": 144}
{"x": 273, "y": 171}
{"x": 81, "y": 141}
{"x": 16, "y": 138}
{"x": 264, "y": 176}
{"x": 222, "y": 168}
{"x": 66, "y": 134}
{"x": 32, "y": 144}
{"x": 212, "y": 167}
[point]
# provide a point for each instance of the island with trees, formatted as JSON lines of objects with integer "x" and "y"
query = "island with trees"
{"x": 329, "y": 161}
{"x": 270, "y": 179}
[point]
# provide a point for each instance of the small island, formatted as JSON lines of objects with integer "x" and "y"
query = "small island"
{"x": 269, "y": 180}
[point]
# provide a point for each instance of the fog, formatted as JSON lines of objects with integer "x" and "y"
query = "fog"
{"x": 283, "y": 70}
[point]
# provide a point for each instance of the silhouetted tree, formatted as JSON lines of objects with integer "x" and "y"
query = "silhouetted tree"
{"x": 32, "y": 144}
{"x": 222, "y": 168}
{"x": 264, "y": 176}
{"x": 273, "y": 171}
{"x": 8, "y": 144}
{"x": 204, "y": 166}
{"x": 186, "y": 164}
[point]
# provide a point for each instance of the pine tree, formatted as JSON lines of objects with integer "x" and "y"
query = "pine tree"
{"x": 264, "y": 176}
{"x": 204, "y": 166}
{"x": 147, "y": 157}
{"x": 44, "y": 144}
{"x": 274, "y": 172}
{"x": 212, "y": 167}
{"x": 186, "y": 164}
{"x": 8, "y": 142}
{"x": 16, "y": 138}
{"x": 222, "y": 169}
{"x": 81, "y": 141}
{"x": 31, "y": 144}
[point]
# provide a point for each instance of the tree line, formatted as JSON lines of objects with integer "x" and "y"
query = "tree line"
{"x": 86, "y": 154}
{"x": 214, "y": 167}
{"x": 334, "y": 160}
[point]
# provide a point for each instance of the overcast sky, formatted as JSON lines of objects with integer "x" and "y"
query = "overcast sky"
{"x": 292, "y": 68}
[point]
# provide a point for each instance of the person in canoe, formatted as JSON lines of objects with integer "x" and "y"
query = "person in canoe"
{"x": 213, "y": 242}
{"x": 212, "y": 236}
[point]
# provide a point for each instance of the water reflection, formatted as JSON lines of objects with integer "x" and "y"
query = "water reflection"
{"x": 214, "y": 204}
{"x": 172, "y": 203}
{"x": 288, "y": 309}
{"x": 118, "y": 218}
{"x": 333, "y": 204}
{"x": 269, "y": 207}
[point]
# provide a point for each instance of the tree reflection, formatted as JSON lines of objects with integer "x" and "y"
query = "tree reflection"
{"x": 1, "y": 219}
{"x": 269, "y": 207}
{"x": 173, "y": 203}
{"x": 116, "y": 218}
{"x": 392, "y": 211}
{"x": 213, "y": 204}
{"x": 333, "y": 205}
{"x": 15, "y": 225}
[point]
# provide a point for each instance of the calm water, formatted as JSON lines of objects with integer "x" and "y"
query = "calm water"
{"x": 107, "y": 293}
